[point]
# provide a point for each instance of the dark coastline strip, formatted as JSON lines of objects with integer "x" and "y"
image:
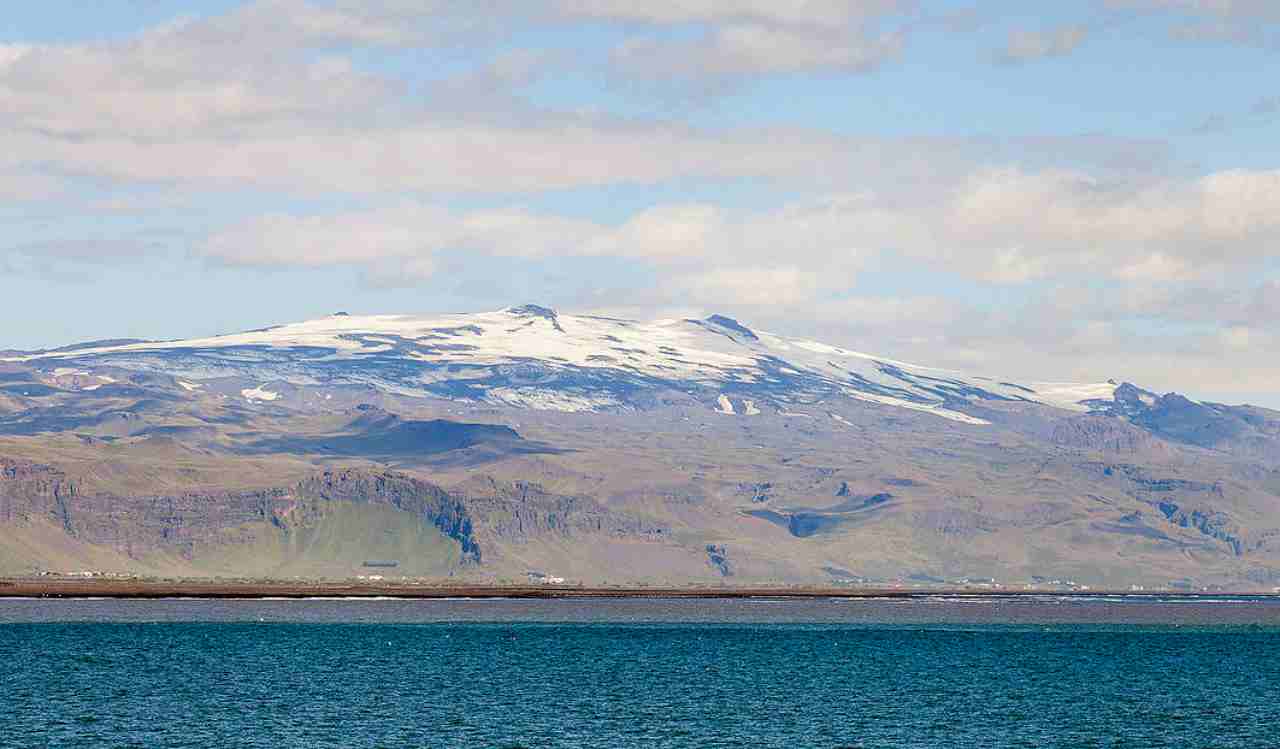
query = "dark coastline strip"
{"x": 257, "y": 590}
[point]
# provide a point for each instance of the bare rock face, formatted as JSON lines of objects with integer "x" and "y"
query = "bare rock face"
{"x": 183, "y": 524}
{"x": 445, "y": 511}
{"x": 1103, "y": 434}
{"x": 518, "y": 511}
{"x": 1244, "y": 430}
{"x": 1144, "y": 483}
{"x": 28, "y": 489}
{"x": 718, "y": 558}
{"x": 134, "y": 526}
{"x": 1213, "y": 523}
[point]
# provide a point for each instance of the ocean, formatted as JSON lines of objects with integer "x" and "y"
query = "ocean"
{"x": 640, "y": 673}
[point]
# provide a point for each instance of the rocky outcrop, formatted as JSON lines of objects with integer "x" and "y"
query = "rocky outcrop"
{"x": 518, "y": 511}
{"x": 758, "y": 492}
{"x": 1141, "y": 482}
{"x": 1216, "y": 525}
{"x": 1244, "y": 430}
{"x": 183, "y": 524}
{"x": 177, "y": 524}
{"x": 1102, "y": 434}
{"x": 135, "y": 525}
{"x": 445, "y": 511}
{"x": 31, "y": 489}
{"x": 718, "y": 557}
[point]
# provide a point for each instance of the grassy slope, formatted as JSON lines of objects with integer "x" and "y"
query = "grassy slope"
{"x": 154, "y": 466}
{"x": 336, "y": 544}
{"x": 333, "y": 545}
{"x": 39, "y": 546}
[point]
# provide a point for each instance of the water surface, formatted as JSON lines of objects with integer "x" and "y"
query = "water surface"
{"x": 639, "y": 673}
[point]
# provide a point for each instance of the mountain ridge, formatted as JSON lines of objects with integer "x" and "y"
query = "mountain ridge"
{"x": 593, "y": 449}
{"x": 592, "y": 362}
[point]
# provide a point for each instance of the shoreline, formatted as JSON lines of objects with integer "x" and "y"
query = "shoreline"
{"x": 220, "y": 590}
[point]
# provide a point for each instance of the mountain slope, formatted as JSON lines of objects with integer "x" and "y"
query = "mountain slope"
{"x": 532, "y": 357}
{"x": 519, "y": 443}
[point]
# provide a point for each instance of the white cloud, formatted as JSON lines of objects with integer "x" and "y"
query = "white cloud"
{"x": 21, "y": 186}
{"x": 752, "y": 37}
{"x": 11, "y": 53}
{"x": 688, "y": 238}
{"x": 1026, "y": 46}
{"x": 833, "y": 14}
{"x": 1247, "y": 22}
{"x": 409, "y": 231}
{"x": 664, "y": 233}
{"x": 1236, "y": 9}
{"x": 193, "y": 102}
{"x": 743, "y": 49}
{"x": 270, "y": 98}
{"x": 173, "y": 84}
{"x": 1051, "y": 222}
{"x": 254, "y": 98}
{"x": 75, "y": 260}
{"x": 1082, "y": 337}
{"x": 425, "y": 156}
{"x": 295, "y": 22}
{"x": 1238, "y": 337}
{"x": 1004, "y": 226}
{"x": 750, "y": 286}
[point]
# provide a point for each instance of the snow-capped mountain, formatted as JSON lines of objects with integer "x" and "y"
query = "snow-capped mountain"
{"x": 533, "y": 357}
{"x": 701, "y": 449}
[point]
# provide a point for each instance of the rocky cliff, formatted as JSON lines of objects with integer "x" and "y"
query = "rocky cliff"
{"x": 189, "y": 525}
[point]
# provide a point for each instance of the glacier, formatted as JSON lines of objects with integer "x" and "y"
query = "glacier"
{"x": 534, "y": 357}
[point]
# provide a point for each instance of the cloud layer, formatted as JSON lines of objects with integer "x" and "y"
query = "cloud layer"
{"x": 427, "y": 143}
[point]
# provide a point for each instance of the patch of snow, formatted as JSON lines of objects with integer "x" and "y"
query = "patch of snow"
{"x": 928, "y": 408}
{"x": 357, "y": 350}
{"x": 543, "y": 399}
{"x": 259, "y": 394}
{"x": 1070, "y": 395}
{"x": 80, "y": 379}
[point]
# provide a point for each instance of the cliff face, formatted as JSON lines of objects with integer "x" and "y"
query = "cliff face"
{"x": 1103, "y": 434}
{"x": 445, "y": 511}
{"x": 189, "y": 524}
{"x": 134, "y": 526}
{"x": 520, "y": 510}
{"x": 31, "y": 489}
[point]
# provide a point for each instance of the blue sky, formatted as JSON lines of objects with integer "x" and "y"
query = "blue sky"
{"x": 1079, "y": 190}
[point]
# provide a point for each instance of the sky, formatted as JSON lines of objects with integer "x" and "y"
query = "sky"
{"x": 1078, "y": 191}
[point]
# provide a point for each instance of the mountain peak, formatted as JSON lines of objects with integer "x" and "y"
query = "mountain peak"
{"x": 730, "y": 324}
{"x": 531, "y": 356}
{"x": 539, "y": 312}
{"x": 532, "y": 310}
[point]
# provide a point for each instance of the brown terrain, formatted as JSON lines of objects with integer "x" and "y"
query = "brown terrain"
{"x": 108, "y": 473}
{"x": 245, "y": 589}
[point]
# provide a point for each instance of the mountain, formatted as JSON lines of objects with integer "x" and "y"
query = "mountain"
{"x": 525, "y": 443}
{"x": 532, "y": 357}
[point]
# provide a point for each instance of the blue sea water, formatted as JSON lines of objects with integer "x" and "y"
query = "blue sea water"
{"x": 638, "y": 674}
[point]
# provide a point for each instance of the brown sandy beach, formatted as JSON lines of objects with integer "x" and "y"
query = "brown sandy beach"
{"x": 245, "y": 589}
